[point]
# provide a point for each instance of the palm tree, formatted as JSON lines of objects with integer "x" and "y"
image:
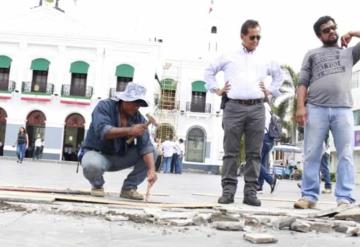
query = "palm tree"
{"x": 285, "y": 104}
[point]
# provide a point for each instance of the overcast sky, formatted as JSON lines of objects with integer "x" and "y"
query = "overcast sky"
{"x": 184, "y": 24}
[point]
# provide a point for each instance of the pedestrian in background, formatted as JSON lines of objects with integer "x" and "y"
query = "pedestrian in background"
{"x": 180, "y": 150}
{"x": 38, "y": 146}
{"x": 268, "y": 144}
{"x": 22, "y": 143}
{"x": 168, "y": 151}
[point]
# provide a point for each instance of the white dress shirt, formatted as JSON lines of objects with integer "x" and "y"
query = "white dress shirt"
{"x": 244, "y": 71}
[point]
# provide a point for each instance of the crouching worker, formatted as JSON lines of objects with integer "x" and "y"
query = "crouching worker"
{"x": 114, "y": 121}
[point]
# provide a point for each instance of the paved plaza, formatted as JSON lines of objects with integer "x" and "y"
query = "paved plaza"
{"x": 37, "y": 228}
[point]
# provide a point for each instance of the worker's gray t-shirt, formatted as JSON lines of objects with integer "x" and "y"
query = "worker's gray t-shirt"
{"x": 327, "y": 72}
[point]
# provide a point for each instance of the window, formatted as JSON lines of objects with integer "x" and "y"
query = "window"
{"x": 122, "y": 83}
{"x": 168, "y": 94}
{"x": 78, "y": 84}
{"x": 195, "y": 145}
{"x": 198, "y": 102}
{"x": 213, "y": 29}
{"x": 39, "y": 81}
{"x": 4, "y": 79}
{"x": 124, "y": 74}
{"x": 357, "y": 117}
{"x": 167, "y": 101}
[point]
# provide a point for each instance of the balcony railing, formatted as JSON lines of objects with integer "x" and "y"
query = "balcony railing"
{"x": 66, "y": 89}
{"x": 11, "y": 87}
{"x": 202, "y": 108}
{"x": 26, "y": 89}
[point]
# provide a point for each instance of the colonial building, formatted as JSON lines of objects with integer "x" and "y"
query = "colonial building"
{"x": 54, "y": 70}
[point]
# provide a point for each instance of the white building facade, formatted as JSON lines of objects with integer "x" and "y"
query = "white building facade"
{"x": 53, "y": 71}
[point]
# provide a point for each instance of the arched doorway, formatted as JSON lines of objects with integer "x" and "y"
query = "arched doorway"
{"x": 3, "y": 117}
{"x": 165, "y": 130}
{"x": 73, "y": 136}
{"x": 35, "y": 126}
{"x": 195, "y": 148}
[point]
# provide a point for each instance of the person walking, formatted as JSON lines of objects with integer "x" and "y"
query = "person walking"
{"x": 268, "y": 144}
{"x": 37, "y": 147}
{"x": 324, "y": 103}
{"x": 180, "y": 150}
{"x": 22, "y": 143}
{"x": 244, "y": 72}
{"x": 159, "y": 152}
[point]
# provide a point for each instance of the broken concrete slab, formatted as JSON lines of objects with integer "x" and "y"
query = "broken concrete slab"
{"x": 349, "y": 214}
{"x": 283, "y": 222}
{"x": 229, "y": 226}
{"x": 223, "y": 216}
{"x": 353, "y": 231}
{"x": 260, "y": 238}
{"x": 343, "y": 225}
{"x": 181, "y": 222}
{"x": 321, "y": 226}
{"x": 300, "y": 226}
{"x": 111, "y": 217}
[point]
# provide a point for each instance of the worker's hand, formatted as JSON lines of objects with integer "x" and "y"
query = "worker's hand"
{"x": 137, "y": 130}
{"x": 151, "y": 177}
{"x": 301, "y": 115}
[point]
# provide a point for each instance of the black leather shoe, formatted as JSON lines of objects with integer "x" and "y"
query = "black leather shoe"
{"x": 226, "y": 199}
{"x": 252, "y": 201}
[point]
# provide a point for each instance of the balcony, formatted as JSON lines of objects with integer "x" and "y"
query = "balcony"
{"x": 198, "y": 108}
{"x": 6, "y": 94}
{"x": 66, "y": 92}
{"x": 68, "y": 98}
{"x": 36, "y": 95}
{"x": 26, "y": 89}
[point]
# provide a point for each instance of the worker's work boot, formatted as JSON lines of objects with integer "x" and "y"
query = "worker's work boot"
{"x": 304, "y": 203}
{"x": 131, "y": 194}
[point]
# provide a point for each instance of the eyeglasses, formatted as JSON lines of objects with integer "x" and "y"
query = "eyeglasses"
{"x": 328, "y": 29}
{"x": 258, "y": 37}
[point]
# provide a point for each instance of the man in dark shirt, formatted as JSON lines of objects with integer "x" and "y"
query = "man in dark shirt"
{"x": 114, "y": 121}
{"x": 324, "y": 103}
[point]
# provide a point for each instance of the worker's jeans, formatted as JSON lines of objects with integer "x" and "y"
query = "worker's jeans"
{"x": 95, "y": 164}
{"x": 340, "y": 122}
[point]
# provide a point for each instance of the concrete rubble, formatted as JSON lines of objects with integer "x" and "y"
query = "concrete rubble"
{"x": 255, "y": 225}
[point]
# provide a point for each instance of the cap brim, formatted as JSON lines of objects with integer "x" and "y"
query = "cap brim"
{"x": 141, "y": 102}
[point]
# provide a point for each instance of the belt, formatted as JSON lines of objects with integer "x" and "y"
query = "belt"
{"x": 247, "y": 101}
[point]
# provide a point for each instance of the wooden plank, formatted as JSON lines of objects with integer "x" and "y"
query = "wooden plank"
{"x": 43, "y": 190}
{"x": 59, "y": 191}
{"x": 46, "y": 197}
{"x": 15, "y": 196}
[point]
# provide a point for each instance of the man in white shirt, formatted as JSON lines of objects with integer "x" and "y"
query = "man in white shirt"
{"x": 168, "y": 151}
{"x": 244, "y": 74}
